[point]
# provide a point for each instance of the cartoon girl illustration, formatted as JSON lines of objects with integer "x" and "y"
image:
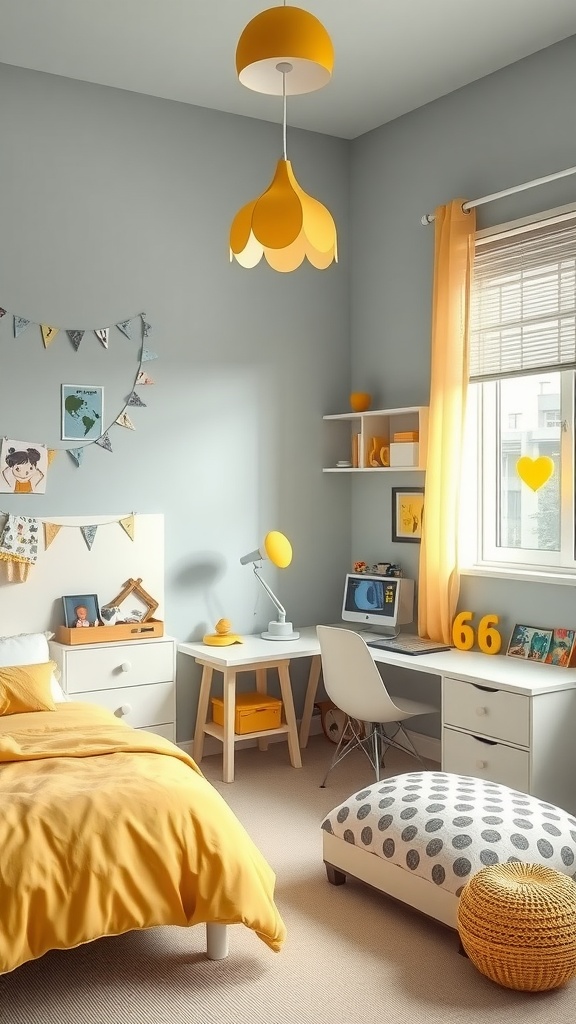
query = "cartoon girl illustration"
{"x": 22, "y": 472}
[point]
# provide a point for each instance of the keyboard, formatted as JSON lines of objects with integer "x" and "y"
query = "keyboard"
{"x": 406, "y": 643}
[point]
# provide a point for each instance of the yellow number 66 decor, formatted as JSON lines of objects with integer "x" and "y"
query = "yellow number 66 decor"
{"x": 463, "y": 637}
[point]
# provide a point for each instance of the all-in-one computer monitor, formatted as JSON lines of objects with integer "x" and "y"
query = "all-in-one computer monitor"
{"x": 383, "y": 602}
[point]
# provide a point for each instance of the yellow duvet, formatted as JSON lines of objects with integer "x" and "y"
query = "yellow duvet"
{"x": 104, "y": 829}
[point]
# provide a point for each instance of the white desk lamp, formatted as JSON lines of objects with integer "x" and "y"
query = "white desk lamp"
{"x": 278, "y": 549}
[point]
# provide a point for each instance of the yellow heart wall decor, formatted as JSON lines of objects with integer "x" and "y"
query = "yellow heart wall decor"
{"x": 535, "y": 472}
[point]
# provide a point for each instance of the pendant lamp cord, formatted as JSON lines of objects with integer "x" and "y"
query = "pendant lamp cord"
{"x": 284, "y": 113}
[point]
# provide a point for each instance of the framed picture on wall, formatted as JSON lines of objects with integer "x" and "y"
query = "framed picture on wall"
{"x": 407, "y": 513}
{"x": 82, "y": 412}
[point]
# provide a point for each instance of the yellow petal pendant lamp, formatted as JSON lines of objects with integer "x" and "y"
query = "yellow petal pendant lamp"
{"x": 284, "y": 51}
{"x": 287, "y": 34}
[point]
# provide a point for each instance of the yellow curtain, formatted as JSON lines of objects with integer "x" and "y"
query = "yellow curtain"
{"x": 439, "y": 580}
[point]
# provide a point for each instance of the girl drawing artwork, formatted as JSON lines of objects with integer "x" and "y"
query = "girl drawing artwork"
{"x": 23, "y": 467}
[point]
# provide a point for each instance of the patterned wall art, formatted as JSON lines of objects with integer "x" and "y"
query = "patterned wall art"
{"x": 83, "y": 418}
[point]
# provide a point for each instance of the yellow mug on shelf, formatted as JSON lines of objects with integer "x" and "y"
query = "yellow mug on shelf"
{"x": 360, "y": 401}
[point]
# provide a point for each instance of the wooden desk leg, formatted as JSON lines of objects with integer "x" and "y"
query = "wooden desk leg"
{"x": 202, "y": 713}
{"x": 262, "y": 687}
{"x": 286, "y": 691}
{"x": 229, "y": 713}
{"x": 311, "y": 689}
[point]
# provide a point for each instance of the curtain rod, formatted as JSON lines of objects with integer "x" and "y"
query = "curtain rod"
{"x": 428, "y": 218}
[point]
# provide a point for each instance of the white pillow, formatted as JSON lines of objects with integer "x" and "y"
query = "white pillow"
{"x": 30, "y": 649}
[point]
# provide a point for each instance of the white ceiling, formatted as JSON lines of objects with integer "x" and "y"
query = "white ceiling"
{"x": 391, "y": 55}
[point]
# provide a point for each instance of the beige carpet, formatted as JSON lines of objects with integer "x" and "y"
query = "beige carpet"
{"x": 351, "y": 955}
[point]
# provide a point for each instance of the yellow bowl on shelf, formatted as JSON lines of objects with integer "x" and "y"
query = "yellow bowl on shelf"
{"x": 360, "y": 401}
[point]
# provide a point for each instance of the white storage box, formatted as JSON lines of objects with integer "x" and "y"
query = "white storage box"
{"x": 404, "y": 453}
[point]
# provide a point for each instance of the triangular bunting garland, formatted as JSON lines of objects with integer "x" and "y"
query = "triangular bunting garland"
{"x": 104, "y": 442}
{"x": 48, "y": 334}
{"x": 89, "y": 533}
{"x": 123, "y": 420}
{"x": 135, "y": 399}
{"x": 146, "y": 327}
{"x": 2, "y": 312}
{"x": 52, "y": 453}
{"x": 102, "y": 335}
{"x": 75, "y": 338}
{"x": 51, "y": 530}
{"x": 20, "y": 324}
{"x": 127, "y": 524}
{"x": 147, "y": 354}
{"x": 144, "y": 378}
{"x": 126, "y": 328}
{"x": 77, "y": 454}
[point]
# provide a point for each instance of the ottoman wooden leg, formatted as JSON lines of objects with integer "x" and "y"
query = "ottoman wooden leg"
{"x": 335, "y": 877}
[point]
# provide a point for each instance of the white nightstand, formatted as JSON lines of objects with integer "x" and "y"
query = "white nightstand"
{"x": 133, "y": 678}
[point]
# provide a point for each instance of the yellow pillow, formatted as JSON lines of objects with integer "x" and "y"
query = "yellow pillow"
{"x": 26, "y": 688}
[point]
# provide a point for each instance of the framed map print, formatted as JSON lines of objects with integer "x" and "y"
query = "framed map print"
{"x": 82, "y": 412}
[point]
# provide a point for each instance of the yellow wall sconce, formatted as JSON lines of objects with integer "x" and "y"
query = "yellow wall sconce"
{"x": 284, "y": 51}
{"x": 535, "y": 472}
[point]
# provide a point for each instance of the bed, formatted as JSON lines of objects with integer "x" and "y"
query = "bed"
{"x": 105, "y": 829}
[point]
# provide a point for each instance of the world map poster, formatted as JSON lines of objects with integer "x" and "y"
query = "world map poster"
{"x": 82, "y": 412}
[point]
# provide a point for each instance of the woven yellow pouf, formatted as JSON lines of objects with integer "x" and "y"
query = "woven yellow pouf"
{"x": 517, "y": 923}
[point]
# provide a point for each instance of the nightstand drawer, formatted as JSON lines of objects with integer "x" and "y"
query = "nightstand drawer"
{"x": 464, "y": 754}
{"x": 144, "y": 706}
{"x": 491, "y": 712}
{"x": 119, "y": 666}
{"x": 167, "y": 731}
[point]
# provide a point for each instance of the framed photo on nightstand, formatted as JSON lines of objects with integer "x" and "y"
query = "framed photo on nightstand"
{"x": 81, "y": 610}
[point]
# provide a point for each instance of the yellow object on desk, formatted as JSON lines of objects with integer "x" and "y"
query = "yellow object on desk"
{"x": 222, "y": 637}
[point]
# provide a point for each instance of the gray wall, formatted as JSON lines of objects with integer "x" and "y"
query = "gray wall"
{"x": 510, "y": 127}
{"x": 112, "y": 203}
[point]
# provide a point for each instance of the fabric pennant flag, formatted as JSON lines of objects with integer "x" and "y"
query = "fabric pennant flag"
{"x": 146, "y": 327}
{"x": 89, "y": 533}
{"x": 127, "y": 524}
{"x": 147, "y": 354}
{"x": 20, "y": 324}
{"x": 104, "y": 442}
{"x": 77, "y": 454}
{"x": 75, "y": 338}
{"x": 123, "y": 420}
{"x": 102, "y": 335}
{"x": 144, "y": 378}
{"x": 48, "y": 334}
{"x": 126, "y": 328}
{"x": 52, "y": 453}
{"x": 51, "y": 530}
{"x": 2, "y": 312}
{"x": 135, "y": 399}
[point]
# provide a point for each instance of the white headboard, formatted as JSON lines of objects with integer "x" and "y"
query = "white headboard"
{"x": 67, "y": 566}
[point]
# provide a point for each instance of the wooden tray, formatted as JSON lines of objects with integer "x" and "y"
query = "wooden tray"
{"x": 109, "y": 634}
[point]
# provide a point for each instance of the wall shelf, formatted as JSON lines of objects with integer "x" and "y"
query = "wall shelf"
{"x": 360, "y": 428}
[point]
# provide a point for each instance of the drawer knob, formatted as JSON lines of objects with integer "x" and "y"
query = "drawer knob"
{"x": 126, "y": 666}
{"x": 481, "y": 711}
{"x": 481, "y": 764}
{"x": 123, "y": 710}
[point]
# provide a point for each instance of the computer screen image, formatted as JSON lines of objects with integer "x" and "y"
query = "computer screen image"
{"x": 379, "y": 601}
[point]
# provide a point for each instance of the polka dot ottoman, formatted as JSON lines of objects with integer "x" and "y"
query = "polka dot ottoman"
{"x": 421, "y": 836}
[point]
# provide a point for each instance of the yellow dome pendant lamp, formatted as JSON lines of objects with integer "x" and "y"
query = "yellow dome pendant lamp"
{"x": 278, "y": 549}
{"x": 285, "y": 224}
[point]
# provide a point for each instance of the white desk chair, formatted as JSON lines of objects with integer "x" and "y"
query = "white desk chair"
{"x": 354, "y": 684}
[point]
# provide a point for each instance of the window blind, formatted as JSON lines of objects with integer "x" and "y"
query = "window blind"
{"x": 523, "y": 315}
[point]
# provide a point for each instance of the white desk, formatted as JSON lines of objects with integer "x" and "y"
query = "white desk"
{"x": 503, "y": 719}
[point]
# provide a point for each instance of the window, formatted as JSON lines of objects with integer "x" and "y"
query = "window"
{"x": 522, "y": 390}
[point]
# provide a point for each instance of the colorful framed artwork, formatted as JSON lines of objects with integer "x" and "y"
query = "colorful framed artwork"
{"x": 530, "y": 642}
{"x": 407, "y": 513}
{"x": 81, "y": 610}
{"x": 82, "y": 412}
{"x": 562, "y": 648}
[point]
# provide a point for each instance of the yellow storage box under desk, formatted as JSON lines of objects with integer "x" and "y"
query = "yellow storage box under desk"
{"x": 253, "y": 712}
